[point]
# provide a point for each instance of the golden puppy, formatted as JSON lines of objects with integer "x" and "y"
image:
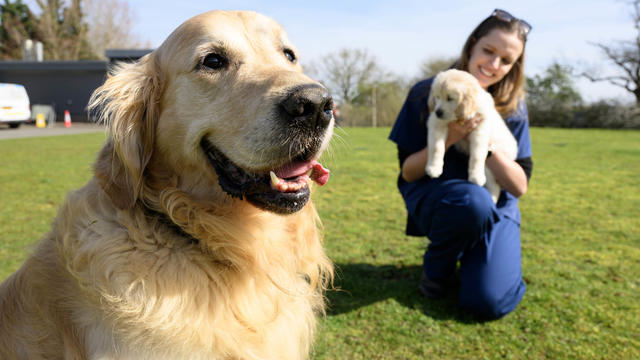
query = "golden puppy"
{"x": 456, "y": 96}
{"x": 195, "y": 239}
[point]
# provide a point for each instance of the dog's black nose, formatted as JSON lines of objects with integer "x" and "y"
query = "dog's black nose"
{"x": 308, "y": 106}
{"x": 439, "y": 113}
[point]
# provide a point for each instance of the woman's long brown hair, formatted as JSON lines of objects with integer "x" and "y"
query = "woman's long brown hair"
{"x": 510, "y": 90}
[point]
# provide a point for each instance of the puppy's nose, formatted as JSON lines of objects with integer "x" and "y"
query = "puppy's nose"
{"x": 308, "y": 106}
{"x": 439, "y": 113}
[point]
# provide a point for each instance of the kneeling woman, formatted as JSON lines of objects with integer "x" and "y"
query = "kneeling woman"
{"x": 459, "y": 218}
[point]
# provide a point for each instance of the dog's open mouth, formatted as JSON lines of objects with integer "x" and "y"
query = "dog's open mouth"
{"x": 283, "y": 190}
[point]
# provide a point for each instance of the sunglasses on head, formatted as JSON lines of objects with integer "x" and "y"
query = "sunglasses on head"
{"x": 507, "y": 17}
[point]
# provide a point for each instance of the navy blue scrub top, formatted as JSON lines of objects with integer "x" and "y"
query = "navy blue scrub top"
{"x": 410, "y": 134}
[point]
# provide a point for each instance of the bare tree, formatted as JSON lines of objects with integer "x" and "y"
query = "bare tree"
{"x": 432, "y": 66}
{"x": 626, "y": 56}
{"x": 344, "y": 71}
{"x": 62, "y": 30}
{"x": 111, "y": 26}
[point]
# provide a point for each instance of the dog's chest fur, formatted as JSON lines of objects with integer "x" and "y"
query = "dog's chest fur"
{"x": 146, "y": 294}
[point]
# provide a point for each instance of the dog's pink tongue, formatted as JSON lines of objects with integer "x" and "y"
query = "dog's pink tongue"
{"x": 318, "y": 173}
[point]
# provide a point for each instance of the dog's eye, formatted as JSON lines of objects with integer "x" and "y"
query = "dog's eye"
{"x": 214, "y": 61}
{"x": 449, "y": 98}
{"x": 288, "y": 53}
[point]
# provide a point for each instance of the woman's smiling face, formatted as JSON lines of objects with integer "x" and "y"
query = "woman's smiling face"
{"x": 493, "y": 56}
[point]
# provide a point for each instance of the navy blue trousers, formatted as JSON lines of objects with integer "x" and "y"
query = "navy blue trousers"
{"x": 463, "y": 224}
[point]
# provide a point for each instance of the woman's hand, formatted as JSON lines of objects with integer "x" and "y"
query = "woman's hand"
{"x": 414, "y": 164}
{"x": 460, "y": 129}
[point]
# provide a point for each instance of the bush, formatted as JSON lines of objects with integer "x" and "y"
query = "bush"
{"x": 607, "y": 114}
{"x": 604, "y": 114}
{"x": 554, "y": 115}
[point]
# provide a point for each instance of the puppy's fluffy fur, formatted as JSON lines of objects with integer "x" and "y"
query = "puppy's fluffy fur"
{"x": 153, "y": 258}
{"x": 455, "y": 96}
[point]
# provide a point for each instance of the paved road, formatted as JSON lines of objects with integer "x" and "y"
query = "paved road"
{"x": 29, "y": 130}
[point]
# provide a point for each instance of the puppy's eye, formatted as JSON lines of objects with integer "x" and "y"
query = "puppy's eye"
{"x": 449, "y": 98}
{"x": 214, "y": 61}
{"x": 288, "y": 53}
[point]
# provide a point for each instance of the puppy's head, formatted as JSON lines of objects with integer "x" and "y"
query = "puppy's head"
{"x": 220, "y": 109}
{"x": 453, "y": 95}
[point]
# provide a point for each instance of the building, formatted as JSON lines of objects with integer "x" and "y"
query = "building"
{"x": 65, "y": 85}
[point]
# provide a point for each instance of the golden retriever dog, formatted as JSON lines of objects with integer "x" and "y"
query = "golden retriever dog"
{"x": 457, "y": 96}
{"x": 195, "y": 238}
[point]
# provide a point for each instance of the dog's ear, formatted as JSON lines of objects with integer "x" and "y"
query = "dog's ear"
{"x": 431, "y": 102}
{"x": 128, "y": 104}
{"x": 435, "y": 87}
{"x": 467, "y": 102}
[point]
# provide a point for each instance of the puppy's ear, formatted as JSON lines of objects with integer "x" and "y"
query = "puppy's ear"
{"x": 431, "y": 102}
{"x": 435, "y": 87}
{"x": 128, "y": 104}
{"x": 467, "y": 103}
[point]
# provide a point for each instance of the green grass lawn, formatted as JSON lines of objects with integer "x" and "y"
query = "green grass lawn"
{"x": 580, "y": 244}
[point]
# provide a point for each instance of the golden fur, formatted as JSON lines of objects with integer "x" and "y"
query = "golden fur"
{"x": 457, "y": 96}
{"x": 151, "y": 259}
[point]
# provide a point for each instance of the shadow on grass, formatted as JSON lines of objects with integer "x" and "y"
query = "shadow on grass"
{"x": 359, "y": 285}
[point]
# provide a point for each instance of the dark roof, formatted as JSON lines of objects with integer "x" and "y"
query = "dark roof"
{"x": 86, "y": 65}
{"x": 53, "y": 65}
{"x": 126, "y": 54}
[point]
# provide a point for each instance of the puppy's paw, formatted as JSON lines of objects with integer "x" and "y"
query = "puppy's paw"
{"x": 478, "y": 178}
{"x": 434, "y": 170}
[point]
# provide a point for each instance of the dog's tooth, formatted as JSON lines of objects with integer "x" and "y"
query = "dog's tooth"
{"x": 275, "y": 181}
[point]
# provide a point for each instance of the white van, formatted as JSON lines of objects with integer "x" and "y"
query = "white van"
{"x": 14, "y": 104}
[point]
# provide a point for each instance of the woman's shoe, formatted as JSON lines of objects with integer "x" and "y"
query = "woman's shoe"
{"x": 429, "y": 288}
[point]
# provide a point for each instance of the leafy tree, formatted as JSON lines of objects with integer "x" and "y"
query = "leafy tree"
{"x": 69, "y": 30}
{"x": 552, "y": 97}
{"x": 625, "y": 55}
{"x": 18, "y": 24}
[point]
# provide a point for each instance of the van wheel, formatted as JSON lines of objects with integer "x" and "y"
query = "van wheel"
{"x": 14, "y": 125}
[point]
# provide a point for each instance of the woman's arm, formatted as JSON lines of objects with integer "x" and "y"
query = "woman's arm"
{"x": 413, "y": 168}
{"x": 513, "y": 176}
{"x": 509, "y": 174}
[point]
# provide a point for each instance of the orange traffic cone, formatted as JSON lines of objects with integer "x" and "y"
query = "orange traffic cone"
{"x": 67, "y": 119}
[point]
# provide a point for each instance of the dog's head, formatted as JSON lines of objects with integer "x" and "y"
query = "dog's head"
{"x": 454, "y": 95}
{"x": 220, "y": 110}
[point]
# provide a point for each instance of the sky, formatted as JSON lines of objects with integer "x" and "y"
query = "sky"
{"x": 402, "y": 34}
